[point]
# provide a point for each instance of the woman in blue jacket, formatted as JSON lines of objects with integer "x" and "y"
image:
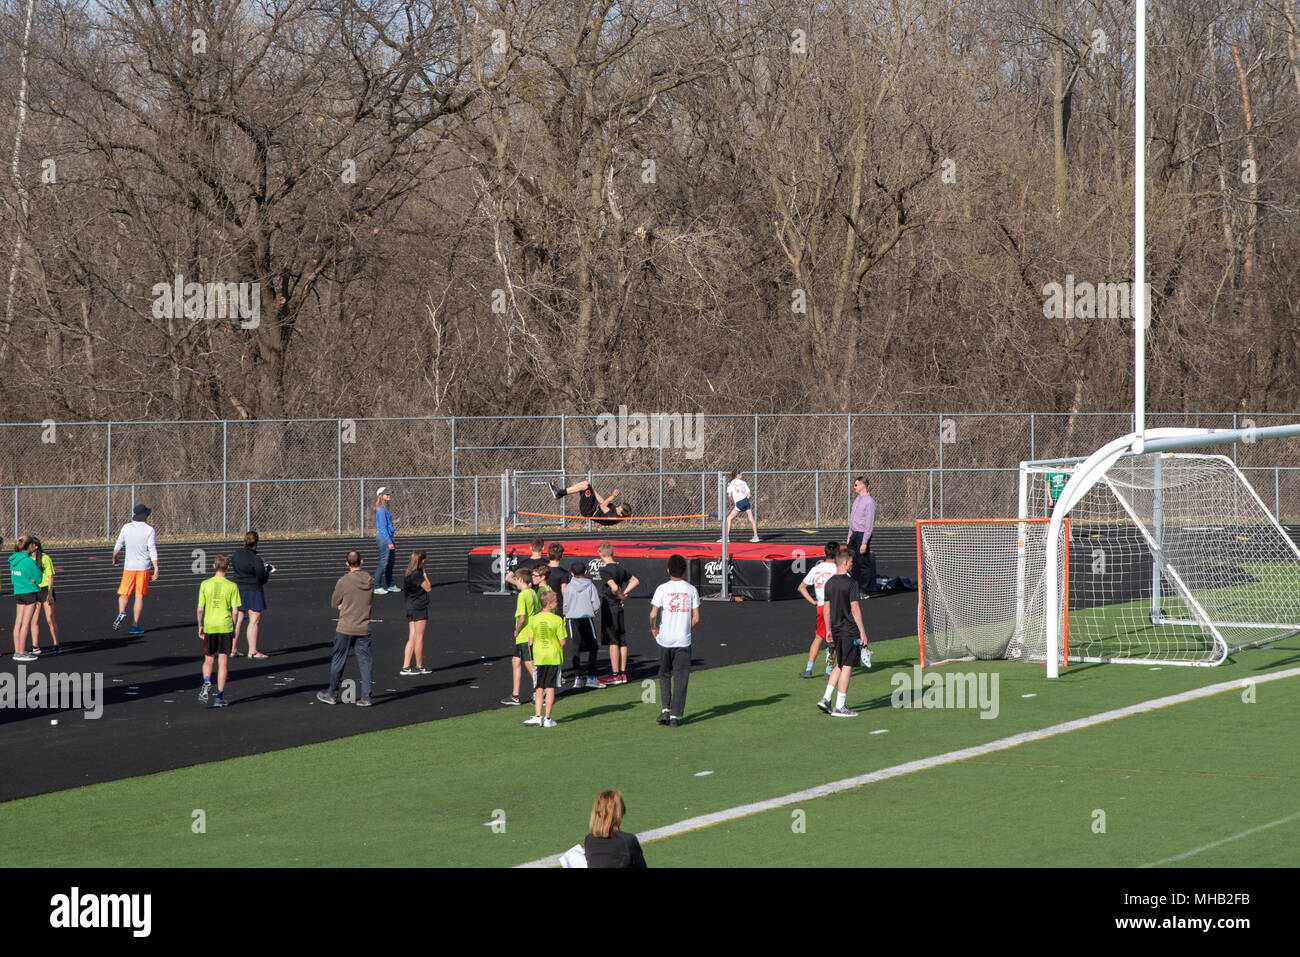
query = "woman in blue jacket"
{"x": 384, "y": 535}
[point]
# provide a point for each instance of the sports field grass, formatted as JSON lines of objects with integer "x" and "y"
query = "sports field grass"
{"x": 1169, "y": 781}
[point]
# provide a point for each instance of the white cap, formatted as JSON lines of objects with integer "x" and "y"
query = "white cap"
{"x": 384, "y": 490}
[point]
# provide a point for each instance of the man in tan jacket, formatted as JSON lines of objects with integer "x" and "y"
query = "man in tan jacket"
{"x": 351, "y": 598}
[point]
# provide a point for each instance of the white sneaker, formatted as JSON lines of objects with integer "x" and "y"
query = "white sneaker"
{"x": 578, "y": 682}
{"x": 593, "y": 682}
{"x": 866, "y": 658}
{"x": 843, "y": 713}
{"x": 548, "y": 723}
{"x": 534, "y": 722}
{"x": 380, "y": 591}
{"x": 754, "y": 539}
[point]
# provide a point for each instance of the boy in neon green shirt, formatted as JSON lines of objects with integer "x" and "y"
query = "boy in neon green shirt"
{"x": 546, "y": 633}
{"x": 526, "y": 606}
{"x": 218, "y": 599}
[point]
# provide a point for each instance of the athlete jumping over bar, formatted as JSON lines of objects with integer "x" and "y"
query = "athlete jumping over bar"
{"x": 594, "y": 506}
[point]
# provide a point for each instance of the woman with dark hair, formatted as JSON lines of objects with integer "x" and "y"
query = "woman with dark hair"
{"x": 26, "y": 575}
{"x": 416, "y": 586}
{"x": 606, "y": 845}
{"x": 44, "y": 599}
{"x": 249, "y": 574}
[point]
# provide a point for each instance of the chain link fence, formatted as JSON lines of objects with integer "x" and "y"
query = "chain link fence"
{"x": 78, "y": 481}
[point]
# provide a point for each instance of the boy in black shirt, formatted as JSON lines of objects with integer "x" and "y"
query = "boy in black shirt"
{"x": 849, "y": 637}
{"x": 556, "y": 577}
{"x": 615, "y": 584}
{"x": 593, "y": 505}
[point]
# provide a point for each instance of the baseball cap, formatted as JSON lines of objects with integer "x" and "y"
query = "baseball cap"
{"x": 384, "y": 490}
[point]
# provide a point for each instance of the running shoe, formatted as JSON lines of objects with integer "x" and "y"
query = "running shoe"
{"x": 203, "y": 693}
{"x": 578, "y": 682}
{"x": 556, "y": 490}
{"x": 534, "y": 722}
{"x": 512, "y": 700}
{"x": 363, "y": 703}
{"x": 663, "y": 717}
{"x": 137, "y": 630}
{"x": 608, "y": 680}
{"x": 593, "y": 682}
{"x": 825, "y": 705}
{"x": 25, "y": 657}
{"x": 548, "y": 723}
{"x": 36, "y": 651}
{"x": 806, "y": 673}
{"x": 394, "y": 590}
{"x": 843, "y": 713}
{"x": 755, "y": 539}
{"x": 407, "y": 672}
{"x": 424, "y": 671}
{"x": 622, "y": 678}
{"x": 220, "y": 702}
{"x": 326, "y": 698}
{"x": 117, "y": 622}
{"x": 381, "y": 591}
{"x": 866, "y": 658}
{"x": 672, "y": 722}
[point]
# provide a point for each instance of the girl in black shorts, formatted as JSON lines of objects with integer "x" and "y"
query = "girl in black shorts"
{"x": 416, "y": 587}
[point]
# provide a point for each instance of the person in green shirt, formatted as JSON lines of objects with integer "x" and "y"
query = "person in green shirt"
{"x": 44, "y": 599}
{"x": 526, "y": 606}
{"x": 218, "y": 599}
{"x": 26, "y": 576}
{"x": 546, "y": 634}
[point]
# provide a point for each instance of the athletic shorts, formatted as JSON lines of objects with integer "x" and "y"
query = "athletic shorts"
{"x": 31, "y": 598}
{"x": 612, "y": 630}
{"x": 252, "y": 599}
{"x": 847, "y": 654}
{"x": 821, "y": 622}
{"x": 523, "y": 651}
{"x": 587, "y": 504}
{"x": 43, "y": 594}
{"x": 417, "y": 614}
{"x": 742, "y": 505}
{"x": 548, "y": 676}
{"x": 214, "y": 645}
{"x": 134, "y": 581}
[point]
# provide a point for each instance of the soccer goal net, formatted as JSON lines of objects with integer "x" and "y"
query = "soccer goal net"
{"x": 981, "y": 588}
{"x": 1174, "y": 559}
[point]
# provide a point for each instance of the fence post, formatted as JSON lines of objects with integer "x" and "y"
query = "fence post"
{"x": 703, "y": 508}
{"x": 661, "y": 480}
{"x": 361, "y": 505}
{"x": 475, "y": 504}
{"x": 564, "y": 471}
{"x": 930, "y": 473}
{"x": 941, "y": 465}
{"x": 1277, "y": 494}
{"x": 225, "y": 451}
{"x": 848, "y": 460}
{"x": 248, "y": 503}
{"x": 817, "y": 499}
{"x": 453, "y": 475}
{"x": 108, "y": 488}
{"x": 755, "y": 442}
{"x": 338, "y": 469}
{"x": 1032, "y": 454}
{"x": 16, "y": 511}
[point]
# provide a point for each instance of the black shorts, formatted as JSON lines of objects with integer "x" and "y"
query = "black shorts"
{"x": 31, "y": 598}
{"x": 847, "y": 653}
{"x": 548, "y": 676}
{"x": 417, "y": 614}
{"x": 43, "y": 594}
{"x": 587, "y": 503}
{"x": 612, "y": 630}
{"x": 523, "y": 651}
{"x": 214, "y": 645}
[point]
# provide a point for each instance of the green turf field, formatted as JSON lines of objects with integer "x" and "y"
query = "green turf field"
{"x": 1168, "y": 781}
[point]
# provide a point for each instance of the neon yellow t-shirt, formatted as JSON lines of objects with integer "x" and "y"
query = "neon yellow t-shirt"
{"x": 218, "y": 597}
{"x": 547, "y": 630}
{"x": 526, "y": 605}
{"x": 47, "y": 570}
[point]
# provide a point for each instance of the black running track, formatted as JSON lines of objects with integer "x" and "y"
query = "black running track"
{"x": 152, "y": 720}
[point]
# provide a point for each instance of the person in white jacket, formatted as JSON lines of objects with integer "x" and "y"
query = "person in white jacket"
{"x": 141, "y": 545}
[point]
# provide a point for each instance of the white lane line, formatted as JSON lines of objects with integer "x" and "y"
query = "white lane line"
{"x": 1214, "y": 844}
{"x": 951, "y": 757}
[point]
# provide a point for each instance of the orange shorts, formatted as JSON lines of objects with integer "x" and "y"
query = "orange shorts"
{"x": 134, "y": 581}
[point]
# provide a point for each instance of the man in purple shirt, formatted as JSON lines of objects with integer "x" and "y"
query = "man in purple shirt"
{"x": 862, "y": 521}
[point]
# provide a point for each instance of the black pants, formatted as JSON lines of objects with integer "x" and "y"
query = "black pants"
{"x": 674, "y": 673}
{"x": 864, "y": 566}
{"x": 582, "y": 637}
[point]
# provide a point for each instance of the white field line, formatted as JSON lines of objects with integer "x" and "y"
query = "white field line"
{"x": 1214, "y": 844}
{"x": 938, "y": 760}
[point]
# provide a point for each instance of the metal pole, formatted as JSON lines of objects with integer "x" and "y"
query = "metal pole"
{"x": 592, "y": 490}
{"x": 930, "y": 474}
{"x": 339, "y": 473}
{"x": 225, "y": 450}
{"x": 248, "y": 504}
{"x": 475, "y": 504}
{"x": 361, "y": 504}
{"x": 564, "y": 471}
{"x": 703, "y": 508}
{"x": 756, "y": 442}
{"x": 108, "y": 488}
{"x": 501, "y": 587}
{"x": 16, "y": 509}
{"x": 817, "y": 499}
{"x": 453, "y": 475}
{"x": 1032, "y": 456}
{"x": 724, "y": 594}
{"x": 661, "y": 475}
{"x": 848, "y": 460}
{"x": 941, "y": 465}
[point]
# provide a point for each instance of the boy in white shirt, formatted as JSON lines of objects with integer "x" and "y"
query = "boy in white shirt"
{"x": 138, "y": 539}
{"x": 817, "y": 578}
{"x": 740, "y": 504}
{"x": 680, "y": 602}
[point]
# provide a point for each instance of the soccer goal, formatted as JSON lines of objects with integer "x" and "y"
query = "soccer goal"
{"x": 981, "y": 591}
{"x": 1175, "y": 559}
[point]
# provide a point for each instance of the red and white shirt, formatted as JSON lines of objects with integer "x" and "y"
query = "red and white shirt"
{"x": 675, "y": 601}
{"x": 817, "y": 578}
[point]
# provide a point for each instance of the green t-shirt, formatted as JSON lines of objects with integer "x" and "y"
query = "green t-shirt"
{"x": 547, "y": 631}
{"x": 47, "y": 570}
{"x": 218, "y": 597}
{"x": 526, "y": 605}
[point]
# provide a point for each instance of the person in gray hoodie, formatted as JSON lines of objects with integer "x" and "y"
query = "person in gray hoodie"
{"x": 581, "y": 608}
{"x": 352, "y": 595}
